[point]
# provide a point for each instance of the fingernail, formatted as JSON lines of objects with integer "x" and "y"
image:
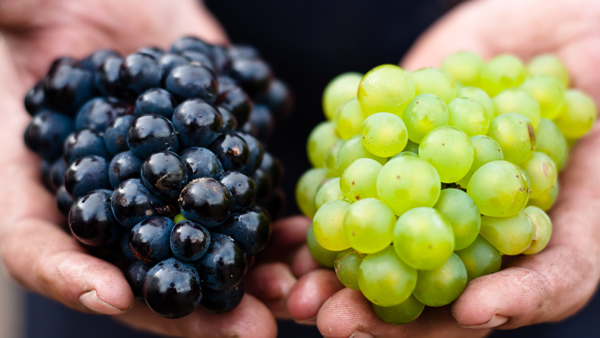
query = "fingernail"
{"x": 309, "y": 321}
{"x": 492, "y": 323}
{"x": 359, "y": 334}
{"x": 91, "y": 301}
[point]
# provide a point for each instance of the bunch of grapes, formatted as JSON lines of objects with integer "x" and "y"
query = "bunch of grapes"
{"x": 422, "y": 181}
{"x": 156, "y": 158}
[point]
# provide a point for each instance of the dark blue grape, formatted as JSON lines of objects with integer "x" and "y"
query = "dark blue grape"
{"x": 192, "y": 81}
{"x": 226, "y": 83}
{"x": 241, "y": 187}
{"x": 263, "y": 184}
{"x": 57, "y": 173}
{"x": 132, "y": 202}
{"x": 34, "y": 99}
{"x": 229, "y": 121}
{"x": 172, "y": 288}
{"x": 164, "y": 174}
{"x": 201, "y": 162}
{"x": 239, "y": 51}
{"x": 91, "y": 219}
{"x": 237, "y": 102}
{"x": 98, "y": 113}
{"x": 115, "y": 135}
{"x": 155, "y": 52}
{"x": 257, "y": 153}
{"x": 279, "y": 99}
{"x": 191, "y": 43}
{"x": 97, "y": 58}
{"x": 199, "y": 59}
{"x": 273, "y": 167}
{"x": 140, "y": 72}
{"x": 108, "y": 80}
{"x": 206, "y": 201}
{"x": 67, "y": 86}
{"x": 262, "y": 122}
{"x": 123, "y": 166}
{"x": 221, "y": 59}
{"x": 254, "y": 75}
{"x": 155, "y": 101}
{"x": 215, "y": 301}
{"x": 231, "y": 150}
{"x": 197, "y": 122}
{"x": 149, "y": 239}
{"x": 64, "y": 201}
{"x": 169, "y": 61}
{"x": 83, "y": 143}
{"x": 149, "y": 134}
{"x": 47, "y": 132}
{"x": 250, "y": 229}
{"x": 125, "y": 248}
{"x": 224, "y": 265}
{"x": 274, "y": 204}
{"x": 86, "y": 174}
{"x": 135, "y": 275}
{"x": 189, "y": 241}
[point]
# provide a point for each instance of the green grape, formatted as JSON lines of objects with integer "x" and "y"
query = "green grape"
{"x": 550, "y": 141}
{"x": 515, "y": 135}
{"x": 480, "y": 258}
{"x": 385, "y": 279}
{"x": 480, "y": 96}
{"x": 549, "y": 64}
{"x": 346, "y": 267}
{"x": 178, "y": 218}
{"x": 469, "y": 115}
{"x": 320, "y": 140}
{"x": 323, "y": 256}
{"x": 328, "y": 225}
{"x": 486, "y": 150}
{"x": 450, "y": 151}
{"x": 384, "y": 134}
{"x": 502, "y": 72}
{"x": 441, "y": 286}
{"x": 407, "y": 182}
{"x": 434, "y": 81}
{"x": 306, "y": 190}
{"x": 359, "y": 180}
{"x": 331, "y": 159}
{"x": 542, "y": 229}
{"x": 547, "y": 199}
{"x": 403, "y": 313}
{"x": 329, "y": 191}
{"x": 460, "y": 209}
{"x": 464, "y": 67}
{"x": 516, "y": 100}
{"x": 548, "y": 92}
{"x": 349, "y": 119}
{"x": 423, "y": 114}
{"x": 338, "y": 91}
{"x": 577, "y": 115}
{"x": 405, "y": 153}
{"x": 423, "y": 238}
{"x": 352, "y": 150}
{"x": 510, "y": 235}
{"x": 369, "y": 225}
{"x": 385, "y": 88}
{"x": 542, "y": 173}
{"x": 499, "y": 189}
{"x": 412, "y": 147}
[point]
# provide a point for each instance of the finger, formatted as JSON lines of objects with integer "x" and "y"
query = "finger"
{"x": 304, "y": 262}
{"x": 287, "y": 235}
{"x": 249, "y": 319}
{"x": 348, "y": 313}
{"x": 310, "y": 292}
{"x": 271, "y": 283}
{"x": 46, "y": 260}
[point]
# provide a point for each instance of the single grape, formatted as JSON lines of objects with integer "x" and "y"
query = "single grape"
{"x": 369, "y": 225}
{"x": 331, "y": 159}
{"x": 91, "y": 220}
{"x": 221, "y": 301}
{"x": 197, "y": 122}
{"x": 464, "y": 67}
{"x": 359, "y": 180}
{"x": 434, "y": 81}
{"x": 441, "y": 286}
{"x": 546, "y": 200}
{"x": 384, "y": 134}
{"x": 542, "y": 229}
{"x": 480, "y": 96}
{"x": 450, "y": 151}
{"x": 510, "y": 235}
{"x": 320, "y": 140}
{"x": 486, "y": 150}
{"x": 224, "y": 265}
{"x": 306, "y": 190}
{"x": 188, "y": 240}
{"x": 548, "y": 92}
{"x": 346, "y": 266}
{"x": 517, "y": 100}
{"x": 348, "y": 119}
{"x": 501, "y": 72}
{"x": 149, "y": 239}
{"x": 164, "y": 174}
{"x": 352, "y": 150}
{"x": 241, "y": 187}
{"x": 329, "y": 191}
{"x": 480, "y": 258}
{"x": 206, "y": 201}
{"x": 201, "y": 162}
{"x": 403, "y": 313}
{"x": 469, "y": 115}
{"x": 250, "y": 229}
{"x": 460, "y": 209}
{"x": 385, "y": 88}
{"x": 385, "y": 279}
{"x": 407, "y": 182}
{"x": 149, "y": 134}
{"x": 550, "y": 141}
{"x": 515, "y": 135}
{"x": 115, "y": 135}
{"x": 423, "y": 238}
{"x": 577, "y": 115}
{"x": 323, "y": 256}
{"x": 135, "y": 275}
{"x": 98, "y": 113}
{"x": 549, "y": 64}
{"x": 232, "y": 150}
{"x": 328, "y": 225}
{"x": 542, "y": 174}
{"x": 338, "y": 91}
{"x": 423, "y": 114}
{"x": 132, "y": 202}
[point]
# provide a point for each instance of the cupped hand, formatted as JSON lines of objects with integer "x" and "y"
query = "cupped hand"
{"x": 548, "y": 286}
{"x": 35, "y": 250}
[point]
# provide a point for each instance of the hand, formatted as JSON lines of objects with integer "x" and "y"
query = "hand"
{"x": 34, "y": 248}
{"x": 549, "y": 286}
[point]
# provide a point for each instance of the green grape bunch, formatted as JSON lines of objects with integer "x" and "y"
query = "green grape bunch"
{"x": 422, "y": 181}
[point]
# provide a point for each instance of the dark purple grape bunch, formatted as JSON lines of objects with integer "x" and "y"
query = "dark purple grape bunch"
{"x": 157, "y": 160}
